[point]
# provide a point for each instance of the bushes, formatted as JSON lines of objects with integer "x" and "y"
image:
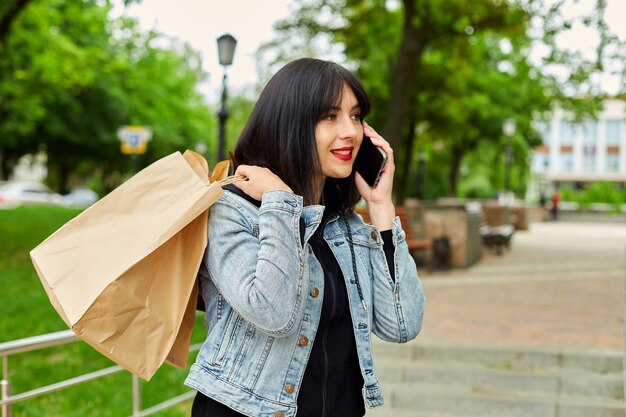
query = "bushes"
{"x": 597, "y": 192}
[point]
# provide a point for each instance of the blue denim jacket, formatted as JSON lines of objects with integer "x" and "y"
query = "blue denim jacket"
{"x": 264, "y": 292}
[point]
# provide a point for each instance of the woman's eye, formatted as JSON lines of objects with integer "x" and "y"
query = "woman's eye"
{"x": 331, "y": 116}
{"x": 356, "y": 116}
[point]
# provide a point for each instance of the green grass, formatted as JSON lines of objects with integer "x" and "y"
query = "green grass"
{"x": 26, "y": 311}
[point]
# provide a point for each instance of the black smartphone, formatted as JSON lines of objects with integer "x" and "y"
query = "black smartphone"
{"x": 370, "y": 162}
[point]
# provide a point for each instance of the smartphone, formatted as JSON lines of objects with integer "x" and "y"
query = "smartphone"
{"x": 370, "y": 162}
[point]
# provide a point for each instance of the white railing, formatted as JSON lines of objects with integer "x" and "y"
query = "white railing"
{"x": 61, "y": 338}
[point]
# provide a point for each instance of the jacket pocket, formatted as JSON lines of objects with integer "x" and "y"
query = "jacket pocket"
{"x": 226, "y": 338}
{"x": 249, "y": 356}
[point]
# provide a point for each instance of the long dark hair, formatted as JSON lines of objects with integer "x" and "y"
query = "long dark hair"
{"x": 280, "y": 134}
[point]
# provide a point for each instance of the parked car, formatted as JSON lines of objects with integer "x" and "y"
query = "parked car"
{"x": 80, "y": 197}
{"x": 16, "y": 193}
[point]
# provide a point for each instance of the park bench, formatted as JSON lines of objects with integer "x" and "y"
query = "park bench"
{"x": 497, "y": 238}
{"x": 497, "y": 228}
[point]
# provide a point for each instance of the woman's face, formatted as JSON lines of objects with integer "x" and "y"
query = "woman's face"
{"x": 338, "y": 136}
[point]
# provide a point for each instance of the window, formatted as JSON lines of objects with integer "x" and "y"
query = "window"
{"x": 567, "y": 162}
{"x": 613, "y": 131}
{"x": 568, "y": 131}
{"x": 541, "y": 162}
{"x": 589, "y": 162}
{"x": 612, "y": 163}
{"x": 590, "y": 131}
{"x": 545, "y": 133}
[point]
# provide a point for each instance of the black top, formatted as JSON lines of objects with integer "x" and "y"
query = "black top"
{"x": 332, "y": 381}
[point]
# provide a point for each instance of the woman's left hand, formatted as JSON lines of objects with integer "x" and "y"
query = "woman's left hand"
{"x": 378, "y": 199}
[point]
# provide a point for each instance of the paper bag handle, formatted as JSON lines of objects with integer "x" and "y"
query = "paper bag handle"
{"x": 232, "y": 179}
{"x": 220, "y": 176}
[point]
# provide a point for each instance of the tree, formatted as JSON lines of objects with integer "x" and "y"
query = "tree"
{"x": 38, "y": 63}
{"x": 395, "y": 50}
{"x": 475, "y": 85}
{"x": 406, "y": 35}
{"x": 70, "y": 78}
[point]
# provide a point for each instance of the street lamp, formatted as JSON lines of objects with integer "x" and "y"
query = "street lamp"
{"x": 508, "y": 128}
{"x": 226, "y": 50}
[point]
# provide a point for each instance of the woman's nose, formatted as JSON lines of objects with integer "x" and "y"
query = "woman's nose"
{"x": 349, "y": 128}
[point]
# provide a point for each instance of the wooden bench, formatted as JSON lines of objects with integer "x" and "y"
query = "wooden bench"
{"x": 412, "y": 242}
{"x": 497, "y": 238}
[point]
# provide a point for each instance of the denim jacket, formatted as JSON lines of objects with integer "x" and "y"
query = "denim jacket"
{"x": 263, "y": 290}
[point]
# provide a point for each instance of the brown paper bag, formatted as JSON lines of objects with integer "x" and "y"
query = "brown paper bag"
{"x": 122, "y": 274}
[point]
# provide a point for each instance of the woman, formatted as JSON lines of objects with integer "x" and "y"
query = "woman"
{"x": 294, "y": 282}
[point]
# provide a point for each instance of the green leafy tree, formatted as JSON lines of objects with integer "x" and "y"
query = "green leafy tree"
{"x": 70, "y": 77}
{"x": 474, "y": 86}
{"x": 436, "y": 67}
{"x": 389, "y": 44}
{"x": 38, "y": 64}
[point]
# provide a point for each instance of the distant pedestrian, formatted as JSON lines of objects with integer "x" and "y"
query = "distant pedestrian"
{"x": 556, "y": 199}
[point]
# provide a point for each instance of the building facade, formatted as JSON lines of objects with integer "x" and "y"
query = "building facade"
{"x": 576, "y": 154}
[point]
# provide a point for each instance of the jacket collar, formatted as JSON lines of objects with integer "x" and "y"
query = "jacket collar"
{"x": 310, "y": 218}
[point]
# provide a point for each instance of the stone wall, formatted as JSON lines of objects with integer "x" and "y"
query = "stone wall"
{"x": 461, "y": 226}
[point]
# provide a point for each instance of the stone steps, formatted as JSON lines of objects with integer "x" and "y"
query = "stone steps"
{"x": 448, "y": 380}
{"x": 565, "y": 383}
{"x": 602, "y": 361}
{"x": 411, "y": 400}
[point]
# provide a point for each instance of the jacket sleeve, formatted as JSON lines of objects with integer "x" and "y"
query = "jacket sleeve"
{"x": 261, "y": 277}
{"x": 398, "y": 304}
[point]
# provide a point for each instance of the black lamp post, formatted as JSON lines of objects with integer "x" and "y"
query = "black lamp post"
{"x": 226, "y": 50}
{"x": 508, "y": 128}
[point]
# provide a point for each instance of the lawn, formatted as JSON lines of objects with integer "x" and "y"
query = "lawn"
{"x": 26, "y": 311}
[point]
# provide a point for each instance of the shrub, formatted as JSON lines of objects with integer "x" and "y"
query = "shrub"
{"x": 597, "y": 192}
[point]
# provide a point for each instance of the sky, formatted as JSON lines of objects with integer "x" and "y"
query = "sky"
{"x": 201, "y": 22}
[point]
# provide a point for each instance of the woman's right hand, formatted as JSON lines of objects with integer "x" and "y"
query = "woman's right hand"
{"x": 259, "y": 181}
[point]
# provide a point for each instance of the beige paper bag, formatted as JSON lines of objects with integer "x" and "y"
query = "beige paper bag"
{"x": 122, "y": 274}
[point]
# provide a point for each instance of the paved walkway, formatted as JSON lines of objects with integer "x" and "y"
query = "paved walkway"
{"x": 561, "y": 285}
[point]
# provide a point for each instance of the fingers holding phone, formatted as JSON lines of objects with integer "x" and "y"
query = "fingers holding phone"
{"x": 378, "y": 140}
{"x": 370, "y": 162}
{"x": 375, "y": 167}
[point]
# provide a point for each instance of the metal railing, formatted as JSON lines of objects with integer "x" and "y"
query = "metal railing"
{"x": 61, "y": 338}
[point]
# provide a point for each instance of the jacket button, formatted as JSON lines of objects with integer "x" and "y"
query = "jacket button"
{"x": 310, "y": 250}
{"x": 279, "y": 414}
{"x": 303, "y": 341}
{"x": 289, "y": 388}
{"x": 314, "y": 292}
{"x": 373, "y": 235}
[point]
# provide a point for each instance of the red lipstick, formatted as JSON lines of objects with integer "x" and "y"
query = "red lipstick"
{"x": 344, "y": 154}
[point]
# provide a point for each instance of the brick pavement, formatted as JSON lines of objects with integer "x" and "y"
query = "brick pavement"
{"x": 561, "y": 285}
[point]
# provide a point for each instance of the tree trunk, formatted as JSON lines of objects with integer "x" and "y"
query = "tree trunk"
{"x": 403, "y": 75}
{"x": 455, "y": 168}
{"x": 403, "y": 81}
{"x": 7, "y": 163}
{"x": 63, "y": 178}
{"x": 9, "y": 17}
{"x": 405, "y": 160}
{"x": 4, "y": 174}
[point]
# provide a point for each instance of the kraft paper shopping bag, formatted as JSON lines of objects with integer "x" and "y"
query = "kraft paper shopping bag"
{"x": 122, "y": 274}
